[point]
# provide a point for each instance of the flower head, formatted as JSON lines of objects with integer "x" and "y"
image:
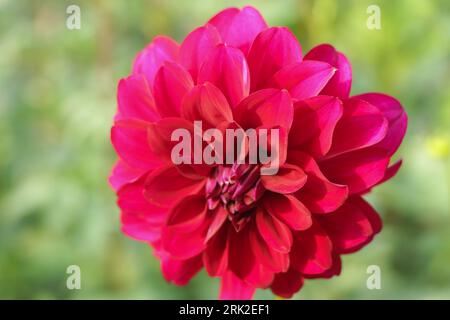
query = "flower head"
{"x": 249, "y": 229}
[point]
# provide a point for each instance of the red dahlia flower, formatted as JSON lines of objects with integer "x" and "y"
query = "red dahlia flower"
{"x": 252, "y": 231}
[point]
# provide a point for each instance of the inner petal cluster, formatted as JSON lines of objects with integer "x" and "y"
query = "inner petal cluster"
{"x": 237, "y": 188}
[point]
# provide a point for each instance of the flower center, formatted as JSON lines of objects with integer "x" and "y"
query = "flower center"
{"x": 237, "y": 188}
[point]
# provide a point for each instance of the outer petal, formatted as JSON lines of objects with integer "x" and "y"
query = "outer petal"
{"x": 305, "y": 79}
{"x": 233, "y": 288}
{"x": 198, "y": 45}
{"x": 272, "y": 49}
{"x": 314, "y": 122}
{"x": 149, "y": 60}
{"x": 359, "y": 170}
{"x": 227, "y": 68}
{"x": 396, "y": 116}
{"x": 165, "y": 186}
{"x": 341, "y": 82}
{"x": 123, "y": 174}
{"x": 319, "y": 194}
{"x": 172, "y": 82}
{"x": 312, "y": 251}
{"x": 135, "y": 100}
{"x": 140, "y": 220}
{"x": 268, "y": 108}
{"x": 287, "y": 283}
{"x": 239, "y": 28}
{"x": 362, "y": 125}
{"x": 352, "y": 226}
{"x": 288, "y": 209}
{"x": 185, "y": 232}
{"x": 180, "y": 271}
{"x": 129, "y": 139}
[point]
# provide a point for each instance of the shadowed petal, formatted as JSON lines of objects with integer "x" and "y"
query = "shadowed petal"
{"x": 312, "y": 251}
{"x": 352, "y": 226}
{"x": 287, "y": 283}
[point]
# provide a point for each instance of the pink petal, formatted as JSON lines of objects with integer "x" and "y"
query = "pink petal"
{"x": 131, "y": 200}
{"x": 239, "y": 28}
{"x": 319, "y": 194}
{"x": 288, "y": 209}
{"x": 396, "y": 116}
{"x": 160, "y": 133}
{"x": 268, "y": 108}
{"x": 135, "y": 100}
{"x": 165, "y": 186}
{"x": 215, "y": 256}
{"x": 198, "y": 45}
{"x": 314, "y": 122}
{"x": 359, "y": 170}
{"x": 179, "y": 271}
{"x": 352, "y": 226}
{"x": 172, "y": 82}
{"x": 220, "y": 215}
{"x": 123, "y": 174}
{"x": 305, "y": 79}
{"x": 149, "y": 60}
{"x": 335, "y": 269}
{"x": 185, "y": 232}
{"x": 233, "y": 288}
{"x": 227, "y": 68}
{"x": 272, "y": 259}
{"x": 129, "y": 138}
{"x": 288, "y": 179}
{"x": 276, "y": 234}
{"x": 136, "y": 227}
{"x": 287, "y": 283}
{"x": 273, "y": 49}
{"x": 188, "y": 215}
{"x": 340, "y": 83}
{"x": 206, "y": 103}
{"x": 362, "y": 125}
{"x": 312, "y": 251}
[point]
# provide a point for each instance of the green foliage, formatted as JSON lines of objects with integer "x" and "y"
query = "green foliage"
{"x": 57, "y": 100}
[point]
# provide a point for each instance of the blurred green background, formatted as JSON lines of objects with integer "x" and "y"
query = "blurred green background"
{"x": 57, "y": 100}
